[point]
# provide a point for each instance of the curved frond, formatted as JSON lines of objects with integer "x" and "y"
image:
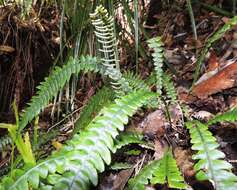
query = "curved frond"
{"x": 54, "y": 83}
{"x": 158, "y": 58}
{"x": 4, "y": 142}
{"x": 210, "y": 165}
{"x": 77, "y": 164}
{"x": 168, "y": 172}
{"x": 104, "y": 31}
{"x": 229, "y": 116}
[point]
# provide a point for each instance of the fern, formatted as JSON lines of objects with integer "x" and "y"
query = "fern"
{"x": 157, "y": 45}
{"x": 216, "y": 36}
{"x": 4, "y": 142}
{"x": 142, "y": 179}
{"x": 128, "y": 138}
{"x": 104, "y": 30}
{"x": 102, "y": 98}
{"x": 229, "y": 116}
{"x": 169, "y": 88}
{"x": 159, "y": 172}
{"x": 210, "y": 165}
{"x": 54, "y": 83}
{"x": 76, "y": 165}
{"x": 168, "y": 172}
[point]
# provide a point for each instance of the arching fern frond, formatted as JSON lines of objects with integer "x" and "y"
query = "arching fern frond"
{"x": 168, "y": 172}
{"x": 104, "y": 31}
{"x": 169, "y": 88}
{"x": 76, "y": 165}
{"x": 54, "y": 83}
{"x": 210, "y": 165}
{"x": 229, "y": 116}
{"x": 157, "y": 45}
{"x": 142, "y": 179}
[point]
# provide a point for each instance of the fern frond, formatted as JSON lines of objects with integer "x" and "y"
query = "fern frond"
{"x": 104, "y": 31}
{"x": 157, "y": 45}
{"x": 128, "y": 138}
{"x": 102, "y": 98}
{"x": 216, "y": 36}
{"x": 142, "y": 179}
{"x": 168, "y": 172}
{"x": 210, "y": 165}
{"x": 169, "y": 88}
{"x": 229, "y": 116}
{"x": 76, "y": 165}
{"x": 4, "y": 142}
{"x": 54, "y": 83}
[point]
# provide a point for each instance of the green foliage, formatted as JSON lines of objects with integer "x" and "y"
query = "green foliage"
{"x": 54, "y": 83}
{"x": 157, "y": 45}
{"x": 169, "y": 88}
{"x": 142, "y": 179}
{"x": 210, "y": 165}
{"x": 229, "y": 116}
{"x": 216, "y": 36}
{"x": 102, "y": 98}
{"x": 104, "y": 30}
{"x": 77, "y": 163}
{"x": 168, "y": 172}
{"x": 128, "y": 138}
{"x": 159, "y": 172}
{"x": 120, "y": 166}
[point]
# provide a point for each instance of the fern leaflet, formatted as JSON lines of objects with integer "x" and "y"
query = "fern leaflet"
{"x": 210, "y": 165}
{"x": 169, "y": 88}
{"x": 76, "y": 165}
{"x": 229, "y": 116}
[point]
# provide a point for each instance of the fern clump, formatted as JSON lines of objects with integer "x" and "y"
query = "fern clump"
{"x": 76, "y": 165}
{"x": 104, "y": 31}
{"x": 157, "y": 45}
{"x": 210, "y": 165}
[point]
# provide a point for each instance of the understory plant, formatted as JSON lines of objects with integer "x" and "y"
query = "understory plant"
{"x": 77, "y": 164}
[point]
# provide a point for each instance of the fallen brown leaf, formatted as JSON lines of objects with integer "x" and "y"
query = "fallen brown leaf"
{"x": 224, "y": 79}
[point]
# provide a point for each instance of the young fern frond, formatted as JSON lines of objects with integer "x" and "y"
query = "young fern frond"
{"x": 169, "y": 88}
{"x": 76, "y": 165}
{"x": 104, "y": 31}
{"x": 168, "y": 173}
{"x": 229, "y": 116}
{"x": 216, "y": 36}
{"x": 210, "y": 165}
{"x": 157, "y": 45}
{"x": 54, "y": 83}
{"x": 143, "y": 177}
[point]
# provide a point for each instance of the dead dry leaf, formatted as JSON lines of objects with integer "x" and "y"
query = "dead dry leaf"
{"x": 224, "y": 79}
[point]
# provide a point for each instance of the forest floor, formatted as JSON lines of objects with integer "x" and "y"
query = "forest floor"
{"x": 22, "y": 68}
